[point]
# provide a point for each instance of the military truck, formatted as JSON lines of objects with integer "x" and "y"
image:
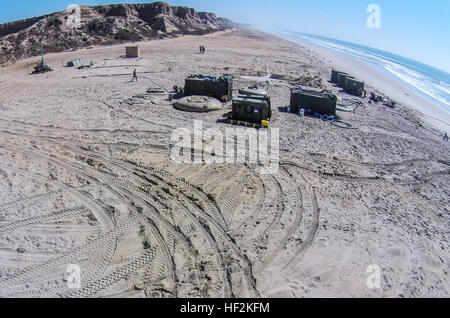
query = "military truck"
{"x": 220, "y": 88}
{"x": 322, "y": 102}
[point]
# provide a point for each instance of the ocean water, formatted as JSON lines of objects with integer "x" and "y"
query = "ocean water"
{"x": 427, "y": 81}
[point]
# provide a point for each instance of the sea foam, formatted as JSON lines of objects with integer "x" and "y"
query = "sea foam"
{"x": 429, "y": 82}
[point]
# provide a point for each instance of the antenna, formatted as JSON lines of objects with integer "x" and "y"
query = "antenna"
{"x": 41, "y": 67}
{"x": 41, "y": 29}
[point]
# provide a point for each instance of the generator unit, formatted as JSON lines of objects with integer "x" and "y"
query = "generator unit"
{"x": 322, "y": 102}
{"x": 354, "y": 87}
{"x": 41, "y": 67}
{"x": 251, "y": 109}
{"x": 258, "y": 97}
{"x": 342, "y": 78}
{"x": 220, "y": 88}
{"x": 335, "y": 76}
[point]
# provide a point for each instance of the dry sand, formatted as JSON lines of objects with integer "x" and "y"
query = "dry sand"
{"x": 86, "y": 178}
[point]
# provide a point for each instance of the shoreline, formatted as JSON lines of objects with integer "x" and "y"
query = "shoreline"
{"x": 387, "y": 85}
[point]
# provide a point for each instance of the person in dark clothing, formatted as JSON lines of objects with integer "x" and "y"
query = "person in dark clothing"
{"x": 446, "y": 137}
{"x": 134, "y": 76}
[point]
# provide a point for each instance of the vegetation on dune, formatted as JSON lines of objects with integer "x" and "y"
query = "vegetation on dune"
{"x": 126, "y": 35}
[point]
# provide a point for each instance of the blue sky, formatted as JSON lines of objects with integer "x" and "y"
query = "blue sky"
{"x": 418, "y": 29}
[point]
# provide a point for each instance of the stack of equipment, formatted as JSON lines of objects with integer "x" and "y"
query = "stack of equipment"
{"x": 253, "y": 90}
{"x": 342, "y": 78}
{"x": 354, "y": 87}
{"x": 322, "y": 102}
{"x": 335, "y": 76}
{"x": 376, "y": 98}
{"x": 251, "y": 109}
{"x": 348, "y": 83}
{"x": 41, "y": 67}
{"x": 220, "y": 88}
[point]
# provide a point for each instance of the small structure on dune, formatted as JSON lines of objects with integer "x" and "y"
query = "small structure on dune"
{"x": 132, "y": 51}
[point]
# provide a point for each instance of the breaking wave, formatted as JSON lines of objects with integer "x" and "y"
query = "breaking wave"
{"x": 429, "y": 82}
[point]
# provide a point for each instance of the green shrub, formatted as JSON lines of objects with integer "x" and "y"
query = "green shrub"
{"x": 126, "y": 35}
{"x": 54, "y": 23}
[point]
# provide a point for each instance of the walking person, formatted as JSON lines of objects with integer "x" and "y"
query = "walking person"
{"x": 134, "y": 76}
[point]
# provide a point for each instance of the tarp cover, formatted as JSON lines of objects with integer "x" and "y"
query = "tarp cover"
{"x": 79, "y": 62}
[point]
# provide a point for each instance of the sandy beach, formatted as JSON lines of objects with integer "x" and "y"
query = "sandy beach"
{"x": 385, "y": 84}
{"x": 86, "y": 179}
